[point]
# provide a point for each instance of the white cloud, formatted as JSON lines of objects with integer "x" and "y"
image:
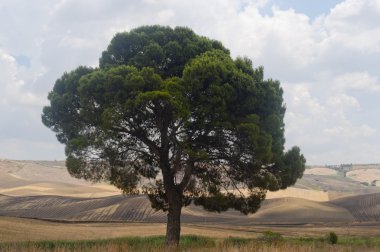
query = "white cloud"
{"x": 343, "y": 101}
{"x": 166, "y": 15}
{"x": 353, "y": 24}
{"x": 11, "y": 90}
{"x": 57, "y": 6}
{"x": 320, "y": 124}
{"x": 349, "y": 132}
{"x": 328, "y": 65}
{"x": 14, "y": 148}
{"x": 75, "y": 42}
{"x": 359, "y": 81}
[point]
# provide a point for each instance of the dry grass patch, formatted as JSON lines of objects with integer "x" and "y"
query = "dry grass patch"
{"x": 314, "y": 195}
{"x": 297, "y": 210}
{"x": 370, "y": 176}
{"x": 16, "y": 229}
{"x": 320, "y": 171}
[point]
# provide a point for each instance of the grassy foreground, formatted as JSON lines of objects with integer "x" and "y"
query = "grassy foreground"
{"x": 268, "y": 242}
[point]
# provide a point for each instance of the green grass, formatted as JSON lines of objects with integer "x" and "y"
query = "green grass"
{"x": 151, "y": 243}
{"x": 237, "y": 241}
{"x": 352, "y": 243}
{"x": 269, "y": 241}
{"x": 360, "y": 241}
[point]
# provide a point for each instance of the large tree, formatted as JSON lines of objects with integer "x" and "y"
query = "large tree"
{"x": 170, "y": 114}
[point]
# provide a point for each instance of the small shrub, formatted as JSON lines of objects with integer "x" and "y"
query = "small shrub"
{"x": 236, "y": 241}
{"x": 190, "y": 241}
{"x": 270, "y": 236}
{"x": 306, "y": 239}
{"x": 332, "y": 238}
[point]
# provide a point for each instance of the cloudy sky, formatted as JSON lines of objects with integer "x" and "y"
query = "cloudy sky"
{"x": 326, "y": 53}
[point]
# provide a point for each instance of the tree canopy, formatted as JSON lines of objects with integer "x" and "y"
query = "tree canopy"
{"x": 170, "y": 114}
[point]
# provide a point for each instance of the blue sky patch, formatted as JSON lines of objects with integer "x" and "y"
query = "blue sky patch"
{"x": 311, "y": 8}
{"x": 23, "y": 60}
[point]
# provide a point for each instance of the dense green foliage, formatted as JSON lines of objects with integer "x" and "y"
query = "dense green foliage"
{"x": 332, "y": 238}
{"x": 171, "y": 106}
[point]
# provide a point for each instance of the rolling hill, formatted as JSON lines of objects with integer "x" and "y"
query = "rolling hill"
{"x": 137, "y": 209}
{"x": 44, "y": 190}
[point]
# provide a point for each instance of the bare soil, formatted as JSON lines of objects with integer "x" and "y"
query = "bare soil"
{"x": 33, "y": 191}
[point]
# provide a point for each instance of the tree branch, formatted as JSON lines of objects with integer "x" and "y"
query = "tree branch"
{"x": 188, "y": 172}
{"x": 142, "y": 137}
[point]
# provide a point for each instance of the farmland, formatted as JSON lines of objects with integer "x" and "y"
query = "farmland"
{"x": 37, "y": 196}
{"x": 30, "y": 235}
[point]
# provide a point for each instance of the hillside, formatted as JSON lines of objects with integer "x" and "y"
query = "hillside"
{"x": 27, "y": 178}
{"x": 137, "y": 209}
{"x": 44, "y": 190}
{"x": 362, "y": 207}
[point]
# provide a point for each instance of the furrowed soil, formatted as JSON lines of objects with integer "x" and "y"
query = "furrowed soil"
{"x": 40, "y": 201}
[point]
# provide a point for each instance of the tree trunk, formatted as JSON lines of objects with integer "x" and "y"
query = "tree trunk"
{"x": 173, "y": 228}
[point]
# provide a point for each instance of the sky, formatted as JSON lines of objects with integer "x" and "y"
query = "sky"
{"x": 325, "y": 53}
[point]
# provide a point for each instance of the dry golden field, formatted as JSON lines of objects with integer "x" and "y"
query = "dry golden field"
{"x": 21, "y": 229}
{"x": 320, "y": 171}
{"x": 369, "y": 175}
{"x": 24, "y": 178}
{"x": 32, "y": 192}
